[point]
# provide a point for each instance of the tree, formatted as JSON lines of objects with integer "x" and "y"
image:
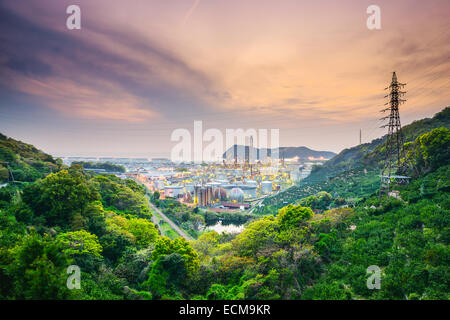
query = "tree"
{"x": 165, "y": 246}
{"x": 198, "y": 221}
{"x": 217, "y": 292}
{"x": 168, "y": 273}
{"x": 429, "y": 151}
{"x": 435, "y": 147}
{"x": 38, "y": 269}
{"x": 100, "y": 165}
{"x": 320, "y": 201}
{"x": 327, "y": 291}
{"x": 292, "y": 216}
{"x": 143, "y": 230}
{"x": 122, "y": 195}
{"x": 114, "y": 245}
{"x": 4, "y": 174}
{"x": 60, "y": 196}
{"x": 256, "y": 235}
{"x": 206, "y": 244}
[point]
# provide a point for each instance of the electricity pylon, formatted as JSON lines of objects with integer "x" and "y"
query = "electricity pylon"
{"x": 393, "y": 165}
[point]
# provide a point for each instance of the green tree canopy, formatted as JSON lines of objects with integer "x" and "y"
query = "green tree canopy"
{"x": 165, "y": 246}
{"x": 60, "y": 196}
{"x": 80, "y": 243}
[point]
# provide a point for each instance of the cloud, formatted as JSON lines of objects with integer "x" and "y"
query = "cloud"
{"x": 298, "y": 64}
{"x": 140, "y": 75}
{"x": 88, "y": 102}
{"x": 191, "y": 11}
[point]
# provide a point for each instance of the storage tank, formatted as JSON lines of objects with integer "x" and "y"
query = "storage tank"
{"x": 236, "y": 194}
{"x": 220, "y": 194}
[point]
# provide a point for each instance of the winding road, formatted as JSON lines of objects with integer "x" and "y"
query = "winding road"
{"x": 171, "y": 223}
{"x": 176, "y": 228}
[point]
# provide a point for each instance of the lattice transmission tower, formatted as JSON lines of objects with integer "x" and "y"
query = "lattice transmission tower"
{"x": 394, "y": 168}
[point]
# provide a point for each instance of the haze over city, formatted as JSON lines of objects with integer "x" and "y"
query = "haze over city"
{"x": 133, "y": 74}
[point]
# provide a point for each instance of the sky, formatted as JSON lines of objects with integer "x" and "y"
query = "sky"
{"x": 139, "y": 69}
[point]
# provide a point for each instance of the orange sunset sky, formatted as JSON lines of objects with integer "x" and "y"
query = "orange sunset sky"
{"x": 137, "y": 70}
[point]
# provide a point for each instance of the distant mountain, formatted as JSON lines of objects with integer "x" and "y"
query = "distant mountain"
{"x": 303, "y": 153}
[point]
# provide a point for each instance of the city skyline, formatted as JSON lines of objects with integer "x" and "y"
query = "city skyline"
{"x": 133, "y": 74}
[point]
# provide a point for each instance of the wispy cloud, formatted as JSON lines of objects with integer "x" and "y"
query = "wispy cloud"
{"x": 288, "y": 63}
{"x": 100, "y": 73}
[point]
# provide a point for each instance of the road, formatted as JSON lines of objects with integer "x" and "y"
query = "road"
{"x": 171, "y": 223}
{"x": 176, "y": 228}
{"x": 261, "y": 200}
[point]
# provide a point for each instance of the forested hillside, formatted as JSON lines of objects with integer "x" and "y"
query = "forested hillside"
{"x": 26, "y": 163}
{"x": 369, "y": 155}
{"x": 70, "y": 217}
{"x": 353, "y": 174}
{"x": 317, "y": 248}
{"x": 109, "y": 167}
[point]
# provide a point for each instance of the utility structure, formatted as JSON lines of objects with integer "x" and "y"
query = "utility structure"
{"x": 251, "y": 156}
{"x": 393, "y": 166}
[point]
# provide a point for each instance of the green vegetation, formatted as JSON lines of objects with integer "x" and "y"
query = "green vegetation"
{"x": 79, "y": 243}
{"x": 194, "y": 220}
{"x": 187, "y": 218}
{"x": 346, "y": 188}
{"x": 353, "y": 174}
{"x": 164, "y": 227}
{"x": 408, "y": 239}
{"x": 71, "y": 217}
{"x": 26, "y": 163}
{"x": 369, "y": 155}
{"x": 315, "y": 243}
{"x": 123, "y": 195}
{"x": 109, "y": 167}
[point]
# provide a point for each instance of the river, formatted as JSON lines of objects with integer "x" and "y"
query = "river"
{"x": 229, "y": 228}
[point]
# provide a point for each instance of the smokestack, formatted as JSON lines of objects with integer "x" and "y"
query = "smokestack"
{"x": 250, "y": 151}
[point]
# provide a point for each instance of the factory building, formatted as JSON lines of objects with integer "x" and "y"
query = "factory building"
{"x": 173, "y": 191}
{"x": 189, "y": 188}
{"x": 203, "y": 196}
{"x": 159, "y": 184}
{"x": 187, "y": 197}
{"x": 220, "y": 194}
{"x": 248, "y": 190}
{"x": 266, "y": 187}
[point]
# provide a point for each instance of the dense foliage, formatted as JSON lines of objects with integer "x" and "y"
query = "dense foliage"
{"x": 194, "y": 220}
{"x": 71, "y": 217}
{"x": 316, "y": 244}
{"x": 107, "y": 166}
{"x": 354, "y": 173}
{"x": 23, "y": 162}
